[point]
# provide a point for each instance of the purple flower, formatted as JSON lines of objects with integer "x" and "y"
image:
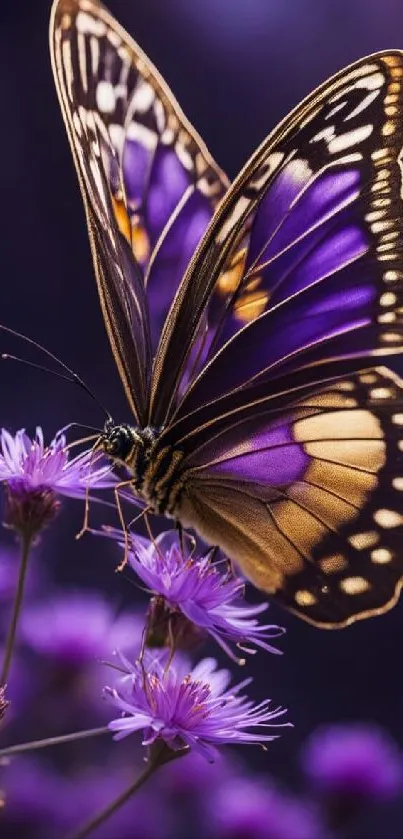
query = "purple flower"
{"x": 40, "y": 801}
{"x": 209, "y": 599}
{"x": 251, "y": 809}
{"x": 34, "y": 474}
{"x": 79, "y": 627}
{"x": 68, "y": 636}
{"x": 8, "y": 582}
{"x": 194, "y": 776}
{"x": 356, "y": 761}
{"x": 32, "y": 800}
{"x": 140, "y": 818}
{"x": 187, "y": 708}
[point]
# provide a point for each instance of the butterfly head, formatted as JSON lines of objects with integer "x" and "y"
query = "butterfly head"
{"x": 129, "y": 445}
{"x": 119, "y": 442}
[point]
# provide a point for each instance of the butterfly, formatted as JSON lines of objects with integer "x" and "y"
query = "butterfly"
{"x": 245, "y": 319}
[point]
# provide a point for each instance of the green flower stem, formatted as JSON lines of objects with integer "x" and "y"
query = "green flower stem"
{"x": 31, "y": 746}
{"x": 159, "y": 755}
{"x": 26, "y": 542}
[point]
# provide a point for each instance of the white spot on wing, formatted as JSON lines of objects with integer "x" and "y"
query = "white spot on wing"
{"x": 94, "y": 48}
{"x": 113, "y": 38}
{"x": 354, "y": 585}
{"x": 184, "y": 156}
{"x": 326, "y": 134}
{"x": 82, "y": 60}
{"x": 305, "y": 598}
{"x": 143, "y": 98}
{"x": 388, "y": 298}
{"x": 388, "y": 518}
{"x": 89, "y": 25}
{"x": 351, "y": 138}
{"x": 142, "y": 135}
{"x": 105, "y": 96}
{"x": 240, "y": 208}
{"x": 117, "y": 135}
{"x": 381, "y": 556}
{"x": 360, "y": 541}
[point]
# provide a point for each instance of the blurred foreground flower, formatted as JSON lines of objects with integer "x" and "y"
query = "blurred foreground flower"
{"x": 352, "y": 767}
{"x": 34, "y": 474}
{"x": 42, "y": 802}
{"x": 247, "y": 807}
{"x": 85, "y": 630}
{"x": 193, "y": 586}
{"x": 360, "y": 761}
{"x": 187, "y": 708}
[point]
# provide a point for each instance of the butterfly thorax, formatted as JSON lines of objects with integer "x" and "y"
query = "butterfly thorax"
{"x": 154, "y": 466}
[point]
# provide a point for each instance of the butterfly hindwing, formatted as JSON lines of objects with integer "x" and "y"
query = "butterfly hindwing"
{"x": 308, "y": 500}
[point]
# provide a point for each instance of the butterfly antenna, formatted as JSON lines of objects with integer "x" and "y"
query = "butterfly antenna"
{"x": 72, "y": 377}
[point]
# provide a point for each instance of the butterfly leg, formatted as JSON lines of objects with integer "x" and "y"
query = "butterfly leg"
{"x": 124, "y": 527}
{"x": 94, "y": 452}
{"x": 136, "y": 518}
{"x": 180, "y": 534}
{"x": 143, "y": 642}
{"x": 85, "y": 526}
{"x": 171, "y": 636}
{"x": 150, "y": 533}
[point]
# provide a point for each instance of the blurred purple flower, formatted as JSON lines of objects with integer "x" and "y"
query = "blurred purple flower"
{"x": 356, "y": 761}
{"x": 70, "y": 635}
{"x": 34, "y": 474}
{"x": 39, "y": 801}
{"x": 140, "y": 818}
{"x": 32, "y": 794}
{"x": 193, "y": 585}
{"x": 244, "y": 808}
{"x": 21, "y": 686}
{"x": 79, "y": 627}
{"x": 8, "y": 578}
{"x": 183, "y": 708}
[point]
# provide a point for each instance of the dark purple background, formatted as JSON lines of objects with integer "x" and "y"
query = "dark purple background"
{"x": 237, "y": 67}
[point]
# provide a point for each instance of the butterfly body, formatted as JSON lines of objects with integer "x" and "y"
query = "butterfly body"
{"x": 154, "y": 467}
{"x": 245, "y": 320}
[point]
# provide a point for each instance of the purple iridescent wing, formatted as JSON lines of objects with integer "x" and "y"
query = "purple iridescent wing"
{"x": 149, "y": 185}
{"x": 291, "y": 458}
{"x": 305, "y": 494}
{"x": 302, "y": 265}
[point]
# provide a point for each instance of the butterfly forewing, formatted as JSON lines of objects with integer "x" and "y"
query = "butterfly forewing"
{"x": 306, "y": 246}
{"x": 147, "y": 179}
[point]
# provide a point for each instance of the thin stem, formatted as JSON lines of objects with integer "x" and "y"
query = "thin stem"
{"x": 52, "y": 741}
{"x": 26, "y": 542}
{"x": 160, "y": 754}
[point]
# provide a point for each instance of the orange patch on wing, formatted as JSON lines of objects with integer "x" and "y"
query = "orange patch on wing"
{"x": 140, "y": 243}
{"x": 229, "y": 280}
{"x": 250, "y": 305}
{"x": 122, "y": 217}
